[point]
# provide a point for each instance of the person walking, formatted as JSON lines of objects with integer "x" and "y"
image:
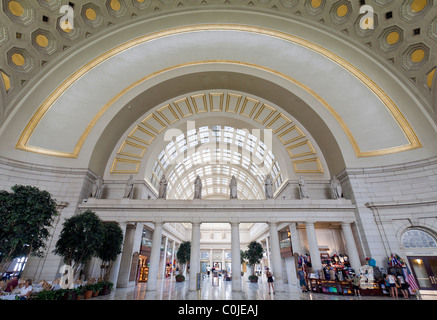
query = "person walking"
{"x": 270, "y": 280}
{"x": 302, "y": 281}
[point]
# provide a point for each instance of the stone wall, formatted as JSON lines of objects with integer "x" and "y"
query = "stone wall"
{"x": 65, "y": 185}
{"x": 390, "y": 200}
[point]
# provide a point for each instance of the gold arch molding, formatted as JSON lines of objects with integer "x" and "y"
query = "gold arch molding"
{"x": 413, "y": 141}
{"x": 302, "y": 153}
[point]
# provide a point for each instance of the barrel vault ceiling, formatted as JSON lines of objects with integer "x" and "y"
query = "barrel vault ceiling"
{"x": 404, "y": 36}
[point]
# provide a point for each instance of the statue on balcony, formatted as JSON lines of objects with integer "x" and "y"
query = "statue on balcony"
{"x": 336, "y": 189}
{"x": 233, "y": 188}
{"x": 303, "y": 191}
{"x": 268, "y": 184}
{"x": 129, "y": 188}
{"x": 198, "y": 188}
{"x": 162, "y": 193}
{"x": 97, "y": 188}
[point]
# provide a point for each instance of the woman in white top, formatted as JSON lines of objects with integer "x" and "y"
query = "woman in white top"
{"x": 391, "y": 279}
{"x": 26, "y": 290}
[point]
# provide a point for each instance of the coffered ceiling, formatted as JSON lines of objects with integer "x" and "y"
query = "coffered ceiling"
{"x": 33, "y": 35}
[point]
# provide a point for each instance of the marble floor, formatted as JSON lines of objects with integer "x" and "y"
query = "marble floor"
{"x": 169, "y": 289}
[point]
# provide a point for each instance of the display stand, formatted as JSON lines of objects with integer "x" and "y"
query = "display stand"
{"x": 330, "y": 287}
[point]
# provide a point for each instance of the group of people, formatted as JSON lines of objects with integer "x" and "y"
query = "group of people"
{"x": 24, "y": 289}
{"x": 396, "y": 283}
{"x": 13, "y": 285}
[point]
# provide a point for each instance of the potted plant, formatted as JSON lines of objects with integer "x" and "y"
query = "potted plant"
{"x": 79, "y": 240}
{"x": 26, "y": 215}
{"x": 97, "y": 288}
{"x": 79, "y": 292}
{"x": 180, "y": 277}
{"x": 88, "y": 291}
{"x": 106, "y": 287}
{"x": 183, "y": 256}
{"x": 253, "y": 255}
{"x": 109, "y": 248}
{"x": 68, "y": 294}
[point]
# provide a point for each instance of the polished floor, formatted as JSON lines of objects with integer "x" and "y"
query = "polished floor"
{"x": 169, "y": 289}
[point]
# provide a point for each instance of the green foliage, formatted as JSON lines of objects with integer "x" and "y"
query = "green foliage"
{"x": 180, "y": 277}
{"x": 254, "y": 254}
{"x": 26, "y": 215}
{"x": 243, "y": 256}
{"x": 80, "y": 239}
{"x": 110, "y": 246}
{"x": 184, "y": 252}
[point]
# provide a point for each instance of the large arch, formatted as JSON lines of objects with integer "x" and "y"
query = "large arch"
{"x": 51, "y": 130}
{"x": 366, "y": 119}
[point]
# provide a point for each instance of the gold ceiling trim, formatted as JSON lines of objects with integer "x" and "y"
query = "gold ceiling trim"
{"x": 23, "y": 142}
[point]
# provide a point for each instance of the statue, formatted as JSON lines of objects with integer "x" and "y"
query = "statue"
{"x": 336, "y": 189}
{"x": 97, "y": 188}
{"x": 233, "y": 188}
{"x": 162, "y": 194}
{"x": 268, "y": 184}
{"x": 129, "y": 188}
{"x": 198, "y": 188}
{"x": 303, "y": 191}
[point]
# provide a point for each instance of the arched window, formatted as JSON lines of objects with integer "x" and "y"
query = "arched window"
{"x": 418, "y": 239}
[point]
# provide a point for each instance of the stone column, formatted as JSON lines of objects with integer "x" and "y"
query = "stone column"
{"x": 351, "y": 247}
{"x": 269, "y": 264}
{"x": 210, "y": 258}
{"x": 113, "y": 276}
{"x": 313, "y": 246}
{"x": 152, "y": 281}
{"x": 236, "y": 260}
{"x": 276, "y": 266}
{"x": 295, "y": 239}
{"x": 194, "y": 255}
{"x": 126, "y": 258}
{"x": 163, "y": 264}
{"x": 173, "y": 254}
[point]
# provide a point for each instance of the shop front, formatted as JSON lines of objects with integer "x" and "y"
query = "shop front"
{"x": 425, "y": 271}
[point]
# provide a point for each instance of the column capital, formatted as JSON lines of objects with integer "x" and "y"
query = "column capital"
{"x": 347, "y": 223}
{"x": 272, "y": 223}
{"x": 234, "y": 223}
{"x": 309, "y": 223}
{"x": 196, "y": 223}
{"x": 158, "y": 222}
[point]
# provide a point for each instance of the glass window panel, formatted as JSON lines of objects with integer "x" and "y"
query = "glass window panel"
{"x": 418, "y": 239}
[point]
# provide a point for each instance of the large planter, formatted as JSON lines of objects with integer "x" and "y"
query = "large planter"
{"x": 88, "y": 294}
{"x": 180, "y": 278}
{"x": 105, "y": 291}
{"x": 70, "y": 295}
{"x": 253, "y": 279}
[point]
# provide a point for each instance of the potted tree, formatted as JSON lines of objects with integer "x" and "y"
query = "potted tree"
{"x": 183, "y": 256}
{"x": 253, "y": 255}
{"x": 26, "y": 215}
{"x": 110, "y": 247}
{"x": 79, "y": 240}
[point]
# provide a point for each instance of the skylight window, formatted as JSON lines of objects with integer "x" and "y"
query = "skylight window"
{"x": 243, "y": 155}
